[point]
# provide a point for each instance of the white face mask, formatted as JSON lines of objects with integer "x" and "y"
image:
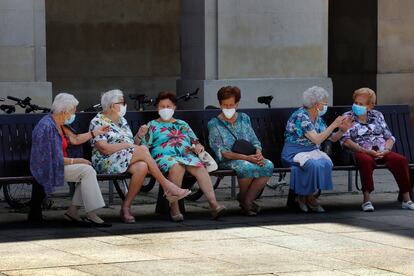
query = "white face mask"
{"x": 229, "y": 113}
{"x": 166, "y": 113}
{"x": 122, "y": 110}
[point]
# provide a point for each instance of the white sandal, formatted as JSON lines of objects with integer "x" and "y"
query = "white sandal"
{"x": 367, "y": 207}
{"x": 409, "y": 205}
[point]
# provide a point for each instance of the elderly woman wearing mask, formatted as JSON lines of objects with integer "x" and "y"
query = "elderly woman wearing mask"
{"x": 305, "y": 132}
{"x": 51, "y": 166}
{"x": 116, "y": 152}
{"x": 372, "y": 141}
{"x": 253, "y": 170}
{"x": 174, "y": 146}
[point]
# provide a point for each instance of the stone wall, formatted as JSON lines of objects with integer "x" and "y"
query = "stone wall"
{"x": 277, "y": 48}
{"x": 22, "y": 50}
{"x": 262, "y": 39}
{"x": 96, "y": 45}
{"x": 395, "y": 80}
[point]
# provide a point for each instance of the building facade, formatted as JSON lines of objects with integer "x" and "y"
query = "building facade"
{"x": 267, "y": 47}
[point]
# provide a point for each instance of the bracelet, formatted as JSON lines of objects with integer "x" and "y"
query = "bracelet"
{"x": 71, "y": 161}
{"x": 93, "y": 135}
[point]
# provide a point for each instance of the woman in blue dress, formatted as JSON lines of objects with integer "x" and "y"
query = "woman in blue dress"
{"x": 253, "y": 171}
{"x": 174, "y": 146}
{"x": 305, "y": 131}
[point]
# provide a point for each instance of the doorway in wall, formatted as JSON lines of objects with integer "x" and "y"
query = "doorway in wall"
{"x": 352, "y": 47}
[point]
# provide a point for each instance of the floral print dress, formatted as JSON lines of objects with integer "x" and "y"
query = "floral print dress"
{"x": 119, "y": 161}
{"x": 299, "y": 124}
{"x": 221, "y": 140}
{"x": 375, "y": 132}
{"x": 170, "y": 143}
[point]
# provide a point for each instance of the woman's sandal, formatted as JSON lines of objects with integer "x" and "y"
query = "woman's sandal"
{"x": 127, "y": 218}
{"x": 249, "y": 213}
{"x": 177, "y": 218}
{"x": 218, "y": 212}
{"x": 72, "y": 219}
{"x": 255, "y": 208}
{"x": 175, "y": 198}
{"x": 316, "y": 208}
{"x": 97, "y": 224}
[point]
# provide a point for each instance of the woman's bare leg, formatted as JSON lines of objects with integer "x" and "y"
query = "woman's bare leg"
{"x": 138, "y": 171}
{"x": 141, "y": 153}
{"x": 176, "y": 175}
{"x": 205, "y": 184}
{"x": 254, "y": 189}
{"x": 244, "y": 185}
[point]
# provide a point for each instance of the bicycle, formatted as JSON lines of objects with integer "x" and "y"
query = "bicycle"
{"x": 141, "y": 101}
{"x": 93, "y": 108}
{"x": 28, "y": 106}
{"x": 18, "y": 196}
{"x": 8, "y": 109}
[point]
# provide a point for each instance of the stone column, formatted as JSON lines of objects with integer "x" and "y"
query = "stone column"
{"x": 274, "y": 48}
{"x": 23, "y": 51}
{"x": 395, "y": 79}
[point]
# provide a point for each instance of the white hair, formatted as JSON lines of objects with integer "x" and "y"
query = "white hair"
{"x": 110, "y": 97}
{"x": 314, "y": 95}
{"x": 64, "y": 102}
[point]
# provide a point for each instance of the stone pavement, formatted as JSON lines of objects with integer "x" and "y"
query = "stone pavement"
{"x": 344, "y": 241}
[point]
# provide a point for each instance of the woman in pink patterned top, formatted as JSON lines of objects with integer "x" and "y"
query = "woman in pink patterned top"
{"x": 372, "y": 141}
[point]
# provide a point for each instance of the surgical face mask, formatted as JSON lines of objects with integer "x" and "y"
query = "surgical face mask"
{"x": 323, "y": 111}
{"x": 122, "y": 110}
{"x": 166, "y": 113}
{"x": 70, "y": 120}
{"x": 359, "y": 110}
{"x": 229, "y": 113}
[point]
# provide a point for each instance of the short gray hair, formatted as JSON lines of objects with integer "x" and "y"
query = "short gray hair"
{"x": 110, "y": 97}
{"x": 64, "y": 102}
{"x": 314, "y": 95}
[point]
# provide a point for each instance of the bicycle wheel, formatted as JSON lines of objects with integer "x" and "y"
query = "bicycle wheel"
{"x": 196, "y": 192}
{"x": 148, "y": 185}
{"x": 18, "y": 195}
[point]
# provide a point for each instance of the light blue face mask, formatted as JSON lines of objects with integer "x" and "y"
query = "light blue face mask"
{"x": 323, "y": 111}
{"x": 359, "y": 110}
{"x": 70, "y": 120}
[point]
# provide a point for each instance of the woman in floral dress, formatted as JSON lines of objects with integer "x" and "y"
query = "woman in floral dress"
{"x": 311, "y": 169}
{"x": 174, "y": 146}
{"x": 116, "y": 152}
{"x": 253, "y": 171}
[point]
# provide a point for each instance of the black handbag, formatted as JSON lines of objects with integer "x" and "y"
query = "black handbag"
{"x": 240, "y": 146}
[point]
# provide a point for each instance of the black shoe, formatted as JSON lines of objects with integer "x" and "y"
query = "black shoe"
{"x": 72, "y": 219}
{"x": 95, "y": 224}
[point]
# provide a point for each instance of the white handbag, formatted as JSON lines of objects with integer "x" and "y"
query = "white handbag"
{"x": 207, "y": 160}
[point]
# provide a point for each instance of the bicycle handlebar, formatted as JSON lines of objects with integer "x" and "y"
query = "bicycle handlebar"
{"x": 8, "y": 108}
{"x": 20, "y": 102}
{"x": 265, "y": 100}
{"x": 189, "y": 96}
{"x": 26, "y": 103}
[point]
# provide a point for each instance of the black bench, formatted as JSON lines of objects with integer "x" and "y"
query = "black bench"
{"x": 269, "y": 125}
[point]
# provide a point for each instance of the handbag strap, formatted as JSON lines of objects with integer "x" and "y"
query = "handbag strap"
{"x": 223, "y": 124}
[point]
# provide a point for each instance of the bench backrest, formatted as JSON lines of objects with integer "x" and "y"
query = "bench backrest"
{"x": 269, "y": 125}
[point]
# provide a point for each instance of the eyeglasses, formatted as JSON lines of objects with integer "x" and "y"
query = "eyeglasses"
{"x": 123, "y": 103}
